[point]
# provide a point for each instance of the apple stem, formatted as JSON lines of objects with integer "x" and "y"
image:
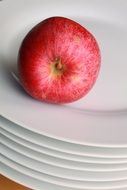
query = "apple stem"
{"x": 58, "y": 64}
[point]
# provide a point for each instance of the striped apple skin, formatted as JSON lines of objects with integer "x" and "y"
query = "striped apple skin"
{"x": 58, "y": 61}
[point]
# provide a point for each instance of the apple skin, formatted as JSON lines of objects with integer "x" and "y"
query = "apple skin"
{"x": 58, "y": 61}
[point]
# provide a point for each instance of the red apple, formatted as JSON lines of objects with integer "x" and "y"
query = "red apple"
{"x": 58, "y": 61}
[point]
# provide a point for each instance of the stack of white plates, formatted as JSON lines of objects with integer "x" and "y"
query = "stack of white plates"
{"x": 82, "y": 145}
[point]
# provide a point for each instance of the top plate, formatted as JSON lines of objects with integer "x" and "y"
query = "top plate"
{"x": 100, "y": 118}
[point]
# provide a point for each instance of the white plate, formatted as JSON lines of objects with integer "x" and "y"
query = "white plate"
{"x": 43, "y": 154}
{"x": 101, "y": 117}
{"x": 11, "y": 172}
{"x": 61, "y": 146}
{"x": 65, "y": 173}
{"x": 22, "y": 175}
{"x": 48, "y": 179}
{"x": 61, "y": 162}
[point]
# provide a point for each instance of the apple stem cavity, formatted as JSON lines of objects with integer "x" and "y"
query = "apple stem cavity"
{"x": 58, "y": 64}
{"x": 57, "y": 68}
